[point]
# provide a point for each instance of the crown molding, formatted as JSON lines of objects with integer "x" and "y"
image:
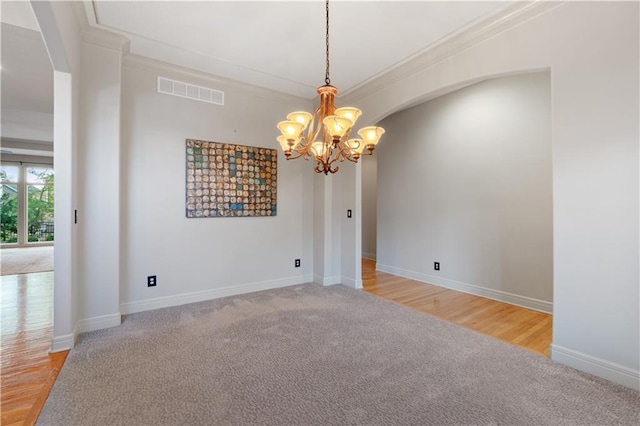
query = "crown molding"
{"x": 41, "y": 158}
{"x": 23, "y": 150}
{"x": 94, "y": 32}
{"x": 166, "y": 69}
{"x": 8, "y": 142}
{"x": 467, "y": 37}
{"x": 97, "y": 36}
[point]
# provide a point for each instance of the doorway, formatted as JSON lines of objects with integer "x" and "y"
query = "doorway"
{"x": 465, "y": 204}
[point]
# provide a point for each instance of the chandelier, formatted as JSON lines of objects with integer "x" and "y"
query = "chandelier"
{"x": 324, "y": 135}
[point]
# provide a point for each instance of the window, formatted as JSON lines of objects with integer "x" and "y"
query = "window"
{"x": 27, "y": 199}
{"x": 39, "y": 204}
{"x": 9, "y": 204}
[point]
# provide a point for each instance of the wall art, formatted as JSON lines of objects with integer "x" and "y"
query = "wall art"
{"x": 228, "y": 180}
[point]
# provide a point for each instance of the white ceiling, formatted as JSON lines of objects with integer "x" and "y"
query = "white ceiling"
{"x": 280, "y": 45}
{"x": 27, "y": 75}
{"x": 27, "y": 83}
{"x": 19, "y": 14}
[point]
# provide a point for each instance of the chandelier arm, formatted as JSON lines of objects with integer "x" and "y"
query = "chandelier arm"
{"x": 337, "y": 155}
{"x": 303, "y": 150}
{"x": 299, "y": 154}
{"x": 350, "y": 158}
{"x": 367, "y": 152}
{"x": 346, "y": 154}
{"x": 325, "y": 168}
{"x": 313, "y": 132}
{"x": 333, "y": 159}
{"x": 304, "y": 147}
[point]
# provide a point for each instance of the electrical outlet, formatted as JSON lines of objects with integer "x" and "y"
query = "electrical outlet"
{"x": 436, "y": 266}
{"x": 151, "y": 281}
{"x": 297, "y": 263}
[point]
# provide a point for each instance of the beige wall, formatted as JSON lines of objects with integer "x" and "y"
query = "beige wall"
{"x": 197, "y": 259}
{"x": 465, "y": 180}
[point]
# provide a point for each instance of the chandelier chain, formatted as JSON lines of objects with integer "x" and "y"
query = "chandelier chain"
{"x": 326, "y": 76}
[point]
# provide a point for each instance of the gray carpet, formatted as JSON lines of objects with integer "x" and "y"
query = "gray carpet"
{"x": 324, "y": 356}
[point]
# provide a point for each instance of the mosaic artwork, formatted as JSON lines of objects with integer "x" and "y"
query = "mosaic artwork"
{"x": 226, "y": 180}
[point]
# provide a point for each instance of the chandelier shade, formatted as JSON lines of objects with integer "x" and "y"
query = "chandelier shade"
{"x": 290, "y": 129}
{"x": 337, "y": 126}
{"x": 371, "y": 135}
{"x": 324, "y": 135}
{"x": 301, "y": 117}
{"x": 349, "y": 113}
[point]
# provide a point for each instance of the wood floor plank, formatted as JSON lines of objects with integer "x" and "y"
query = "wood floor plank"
{"x": 523, "y": 327}
{"x": 28, "y": 370}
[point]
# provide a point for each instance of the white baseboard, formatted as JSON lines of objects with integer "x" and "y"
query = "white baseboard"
{"x": 62, "y": 343}
{"x": 325, "y": 281}
{"x": 501, "y": 296}
{"x": 351, "y": 283}
{"x": 65, "y": 342}
{"x": 68, "y": 341}
{"x": 98, "y": 323}
{"x": 370, "y": 256}
{"x": 597, "y": 366}
{"x": 201, "y": 296}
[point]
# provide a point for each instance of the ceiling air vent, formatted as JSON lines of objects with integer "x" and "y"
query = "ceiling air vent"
{"x": 190, "y": 91}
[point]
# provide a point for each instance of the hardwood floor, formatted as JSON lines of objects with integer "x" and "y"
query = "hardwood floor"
{"x": 28, "y": 370}
{"x": 519, "y": 326}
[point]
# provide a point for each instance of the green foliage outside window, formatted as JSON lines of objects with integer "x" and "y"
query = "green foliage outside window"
{"x": 40, "y": 201}
{"x": 40, "y": 204}
{"x": 8, "y": 211}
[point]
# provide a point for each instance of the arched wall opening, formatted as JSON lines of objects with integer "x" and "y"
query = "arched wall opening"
{"x": 465, "y": 180}
{"x": 594, "y": 71}
{"x": 370, "y": 163}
